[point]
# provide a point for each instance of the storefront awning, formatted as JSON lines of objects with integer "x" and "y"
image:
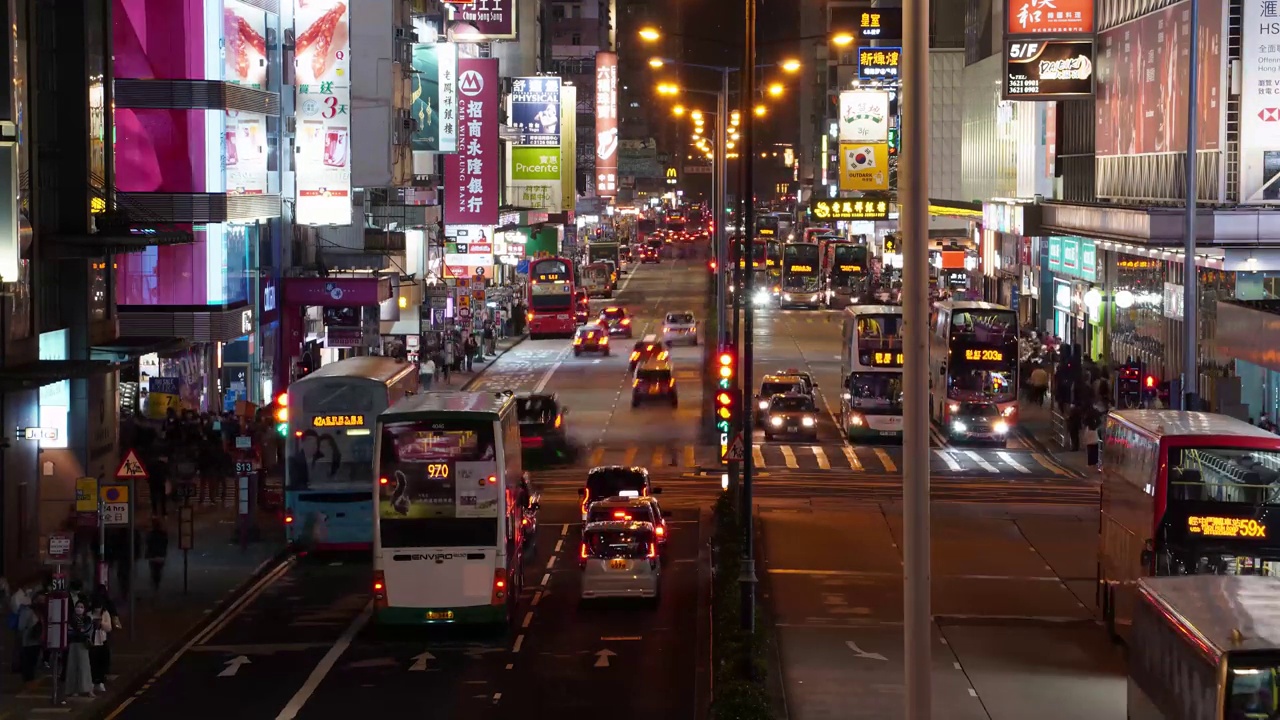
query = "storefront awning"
{"x": 123, "y": 349}
{"x": 46, "y": 372}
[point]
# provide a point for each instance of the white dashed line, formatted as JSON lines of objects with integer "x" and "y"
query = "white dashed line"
{"x": 528, "y": 618}
{"x": 519, "y": 641}
{"x": 545, "y": 579}
{"x": 559, "y": 544}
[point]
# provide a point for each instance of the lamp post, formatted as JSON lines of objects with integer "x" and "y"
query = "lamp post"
{"x": 747, "y": 580}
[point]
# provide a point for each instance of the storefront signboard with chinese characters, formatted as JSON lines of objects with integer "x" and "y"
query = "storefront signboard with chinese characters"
{"x": 471, "y": 174}
{"x": 850, "y": 209}
{"x": 322, "y": 56}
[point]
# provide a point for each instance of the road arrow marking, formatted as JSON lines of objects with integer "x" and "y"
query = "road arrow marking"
{"x": 374, "y": 663}
{"x": 233, "y": 666}
{"x": 602, "y": 657}
{"x": 420, "y": 662}
{"x": 861, "y": 654}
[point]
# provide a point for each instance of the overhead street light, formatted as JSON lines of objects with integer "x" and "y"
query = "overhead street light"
{"x": 842, "y": 39}
{"x": 761, "y": 110}
{"x": 790, "y": 65}
{"x": 678, "y": 110}
{"x": 649, "y": 34}
{"x": 656, "y": 62}
{"x": 668, "y": 89}
{"x": 776, "y": 89}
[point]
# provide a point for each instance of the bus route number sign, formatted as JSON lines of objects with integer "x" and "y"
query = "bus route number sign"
{"x": 329, "y": 421}
{"x": 887, "y": 359}
{"x": 439, "y": 471}
{"x": 1226, "y": 527}
{"x": 802, "y": 268}
{"x": 984, "y": 355}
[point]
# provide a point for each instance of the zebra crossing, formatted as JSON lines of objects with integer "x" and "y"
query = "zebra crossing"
{"x": 829, "y": 457}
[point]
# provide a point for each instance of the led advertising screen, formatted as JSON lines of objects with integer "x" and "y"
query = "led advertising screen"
{"x": 471, "y": 174}
{"x": 246, "y": 153}
{"x": 323, "y": 76}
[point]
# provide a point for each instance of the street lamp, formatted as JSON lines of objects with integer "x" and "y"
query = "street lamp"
{"x": 649, "y": 34}
{"x": 668, "y": 89}
{"x": 656, "y": 62}
{"x": 678, "y": 110}
{"x": 760, "y": 110}
{"x": 776, "y": 89}
{"x": 790, "y": 65}
{"x": 842, "y": 39}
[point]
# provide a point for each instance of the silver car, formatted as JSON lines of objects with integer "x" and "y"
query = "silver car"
{"x": 680, "y": 327}
{"x": 620, "y": 559}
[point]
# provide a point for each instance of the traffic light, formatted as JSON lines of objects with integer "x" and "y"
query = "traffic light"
{"x": 728, "y": 398}
{"x": 281, "y": 413}
{"x": 1129, "y": 385}
{"x": 725, "y": 376}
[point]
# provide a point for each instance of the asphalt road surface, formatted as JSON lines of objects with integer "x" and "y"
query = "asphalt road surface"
{"x": 1015, "y": 635}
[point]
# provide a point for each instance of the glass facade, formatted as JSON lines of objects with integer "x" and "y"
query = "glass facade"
{"x": 1137, "y": 319}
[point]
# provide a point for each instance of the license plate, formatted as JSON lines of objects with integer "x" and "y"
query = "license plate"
{"x": 887, "y": 433}
{"x": 791, "y": 428}
{"x": 617, "y": 564}
{"x": 653, "y": 391}
{"x": 439, "y": 614}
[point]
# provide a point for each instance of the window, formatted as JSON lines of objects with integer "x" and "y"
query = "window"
{"x": 575, "y": 39}
{"x": 557, "y": 12}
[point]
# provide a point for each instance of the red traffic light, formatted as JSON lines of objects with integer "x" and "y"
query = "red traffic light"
{"x": 1151, "y": 382}
{"x": 712, "y": 265}
{"x": 726, "y": 358}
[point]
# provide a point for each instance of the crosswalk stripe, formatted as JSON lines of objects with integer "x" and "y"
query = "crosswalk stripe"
{"x": 886, "y": 460}
{"x": 852, "y": 457}
{"x": 1008, "y": 459}
{"x": 597, "y": 456}
{"x": 950, "y": 461}
{"x": 981, "y": 463}
{"x": 689, "y": 459}
{"x": 757, "y": 456}
{"x": 789, "y": 457}
{"x": 630, "y": 457}
{"x": 1049, "y": 464}
{"x": 821, "y": 456}
{"x": 659, "y": 457}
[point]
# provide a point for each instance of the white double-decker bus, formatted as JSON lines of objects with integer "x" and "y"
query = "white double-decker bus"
{"x": 447, "y": 532}
{"x": 871, "y": 367}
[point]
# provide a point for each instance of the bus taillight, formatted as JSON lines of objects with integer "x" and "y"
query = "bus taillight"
{"x": 499, "y": 587}
{"x": 379, "y": 589}
{"x": 288, "y": 517}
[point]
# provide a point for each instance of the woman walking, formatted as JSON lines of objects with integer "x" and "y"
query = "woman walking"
{"x": 79, "y": 679}
{"x": 101, "y": 612}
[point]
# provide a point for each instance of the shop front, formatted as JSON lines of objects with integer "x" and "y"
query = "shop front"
{"x": 1009, "y": 243}
{"x": 325, "y": 319}
{"x": 1069, "y": 275}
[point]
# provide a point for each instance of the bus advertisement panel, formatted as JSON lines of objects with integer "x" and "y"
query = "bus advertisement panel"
{"x": 871, "y": 364}
{"x": 551, "y": 293}
{"x": 801, "y": 279}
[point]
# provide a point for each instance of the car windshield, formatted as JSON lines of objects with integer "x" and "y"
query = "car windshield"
{"x": 792, "y": 404}
{"x": 978, "y": 410}
{"x": 640, "y": 513}
{"x": 614, "y": 313}
{"x": 653, "y": 376}
{"x": 777, "y": 388}
{"x": 618, "y": 543}
{"x": 535, "y": 409}
{"x": 608, "y": 483}
{"x": 680, "y": 318}
{"x": 875, "y": 390}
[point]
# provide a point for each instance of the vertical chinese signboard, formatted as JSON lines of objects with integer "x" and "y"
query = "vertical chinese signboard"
{"x": 606, "y": 124}
{"x": 535, "y": 110}
{"x": 322, "y": 54}
{"x": 568, "y": 148}
{"x": 471, "y": 174}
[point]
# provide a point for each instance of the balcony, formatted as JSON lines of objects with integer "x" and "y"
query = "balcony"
{"x": 117, "y": 224}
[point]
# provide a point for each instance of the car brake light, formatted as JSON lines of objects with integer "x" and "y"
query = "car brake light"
{"x": 493, "y": 479}
{"x": 635, "y": 355}
{"x": 660, "y": 531}
{"x": 604, "y": 340}
{"x": 383, "y": 481}
{"x": 622, "y": 514}
{"x": 288, "y": 517}
{"x": 626, "y": 321}
{"x": 671, "y": 382}
{"x": 524, "y": 521}
{"x": 379, "y": 589}
{"x": 582, "y": 551}
{"x": 529, "y": 317}
{"x": 499, "y": 587}
{"x": 663, "y": 355}
{"x": 559, "y": 420}
{"x": 648, "y": 347}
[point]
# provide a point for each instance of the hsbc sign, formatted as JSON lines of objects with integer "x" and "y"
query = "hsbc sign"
{"x": 1269, "y": 114}
{"x": 1259, "y": 178}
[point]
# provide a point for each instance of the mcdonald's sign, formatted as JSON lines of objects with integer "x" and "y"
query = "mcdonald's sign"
{"x": 672, "y": 176}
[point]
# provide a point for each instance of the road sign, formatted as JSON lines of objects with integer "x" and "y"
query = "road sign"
{"x": 115, "y": 504}
{"x": 59, "y": 547}
{"x": 736, "y": 449}
{"x": 244, "y": 467}
{"x": 131, "y": 468}
{"x": 86, "y": 495}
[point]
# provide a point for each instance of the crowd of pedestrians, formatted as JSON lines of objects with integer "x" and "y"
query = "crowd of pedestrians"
{"x": 84, "y": 666}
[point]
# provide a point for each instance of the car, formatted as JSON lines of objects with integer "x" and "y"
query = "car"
{"x": 631, "y": 509}
{"x": 774, "y": 385}
{"x": 977, "y": 421}
{"x": 679, "y": 327}
{"x": 649, "y": 347}
{"x": 541, "y": 418}
{"x": 793, "y": 414}
{"x": 654, "y": 381}
{"x": 806, "y": 379}
{"x": 619, "y": 560}
{"x": 591, "y": 338}
{"x": 615, "y": 480}
{"x": 616, "y": 320}
{"x": 651, "y": 253}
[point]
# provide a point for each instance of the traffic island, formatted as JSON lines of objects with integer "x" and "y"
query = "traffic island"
{"x": 740, "y": 667}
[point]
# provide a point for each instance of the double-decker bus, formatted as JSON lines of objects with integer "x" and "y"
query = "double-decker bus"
{"x": 1183, "y": 493}
{"x": 871, "y": 360}
{"x": 329, "y": 449}
{"x": 846, "y": 273}
{"x": 448, "y": 532}
{"x": 1205, "y": 647}
{"x": 801, "y": 275}
{"x": 551, "y": 293}
{"x": 973, "y": 357}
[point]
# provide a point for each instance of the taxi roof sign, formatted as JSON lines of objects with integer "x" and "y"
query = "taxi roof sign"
{"x": 131, "y": 468}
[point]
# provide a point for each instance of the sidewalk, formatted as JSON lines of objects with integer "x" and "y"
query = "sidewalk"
{"x": 1036, "y": 424}
{"x": 218, "y": 571}
{"x": 462, "y": 380}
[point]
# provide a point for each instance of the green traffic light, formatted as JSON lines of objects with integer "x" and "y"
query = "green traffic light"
{"x": 724, "y": 384}
{"x": 282, "y": 428}
{"x": 722, "y": 425}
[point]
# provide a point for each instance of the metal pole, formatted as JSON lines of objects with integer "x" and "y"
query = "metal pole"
{"x": 748, "y": 576}
{"x": 1190, "y": 314}
{"x": 722, "y": 161}
{"x": 913, "y": 194}
{"x": 715, "y": 242}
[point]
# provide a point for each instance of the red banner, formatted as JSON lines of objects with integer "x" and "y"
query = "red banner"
{"x": 471, "y": 174}
{"x": 1049, "y": 17}
{"x": 1142, "y": 82}
{"x": 606, "y": 124}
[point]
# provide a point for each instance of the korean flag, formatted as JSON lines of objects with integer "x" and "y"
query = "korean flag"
{"x": 860, "y": 158}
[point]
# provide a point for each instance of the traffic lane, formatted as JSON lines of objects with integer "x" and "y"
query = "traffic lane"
{"x": 808, "y": 341}
{"x": 632, "y": 660}
{"x": 1060, "y": 538}
{"x": 1079, "y": 674}
{"x": 525, "y": 367}
{"x": 264, "y": 648}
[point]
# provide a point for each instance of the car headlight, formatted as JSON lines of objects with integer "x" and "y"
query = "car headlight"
{"x": 959, "y": 427}
{"x": 762, "y": 297}
{"x": 953, "y": 407}
{"x": 1001, "y": 427}
{"x": 786, "y": 296}
{"x": 764, "y": 404}
{"x": 855, "y": 419}
{"x": 775, "y": 421}
{"x": 807, "y": 422}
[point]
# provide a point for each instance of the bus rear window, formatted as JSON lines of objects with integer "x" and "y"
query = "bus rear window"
{"x": 608, "y": 483}
{"x": 618, "y": 543}
{"x": 561, "y": 301}
{"x": 625, "y": 514}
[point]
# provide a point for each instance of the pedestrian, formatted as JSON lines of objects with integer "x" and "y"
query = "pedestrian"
{"x": 428, "y": 372}
{"x": 79, "y": 677}
{"x": 472, "y": 347}
{"x": 30, "y": 628}
{"x": 101, "y": 612}
{"x": 446, "y": 367}
{"x": 157, "y": 550}
{"x": 1038, "y": 384}
{"x": 158, "y": 484}
{"x": 1092, "y": 441}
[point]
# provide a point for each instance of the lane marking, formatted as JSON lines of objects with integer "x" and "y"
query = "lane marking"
{"x": 620, "y": 638}
{"x": 981, "y": 462}
{"x": 973, "y": 693}
{"x": 852, "y": 457}
{"x": 330, "y": 659}
{"x": 1008, "y": 459}
{"x": 546, "y": 377}
{"x": 629, "y": 458}
{"x": 886, "y": 460}
{"x": 689, "y": 459}
{"x": 821, "y": 456}
{"x": 545, "y": 579}
{"x": 956, "y": 665}
{"x": 537, "y": 598}
{"x": 597, "y": 456}
{"x": 519, "y": 641}
{"x": 528, "y": 618}
{"x": 552, "y": 562}
{"x": 789, "y": 457}
{"x": 1049, "y": 465}
{"x": 946, "y": 457}
{"x": 757, "y": 456}
{"x": 659, "y": 457}
{"x": 559, "y": 544}
{"x": 564, "y": 529}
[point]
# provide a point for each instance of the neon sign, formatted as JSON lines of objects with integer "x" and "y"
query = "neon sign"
{"x": 802, "y": 268}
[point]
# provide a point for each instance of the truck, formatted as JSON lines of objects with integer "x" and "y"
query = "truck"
{"x": 596, "y": 280}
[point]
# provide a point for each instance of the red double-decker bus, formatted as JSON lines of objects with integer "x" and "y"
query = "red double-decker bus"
{"x": 551, "y": 298}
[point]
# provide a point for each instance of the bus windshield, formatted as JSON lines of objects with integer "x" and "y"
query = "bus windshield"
{"x": 875, "y": 391}
{"x": 849, "y": 259}
{"x": 1254, "y": 686}
{"x": 874, "y": 331}
{"x": 800, "y": 266}
{"x": 984, "y": 326}
{"x": 1233, "y": 475}
{"x": 433, "y": 489}
{"x": 979, "y": 384}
